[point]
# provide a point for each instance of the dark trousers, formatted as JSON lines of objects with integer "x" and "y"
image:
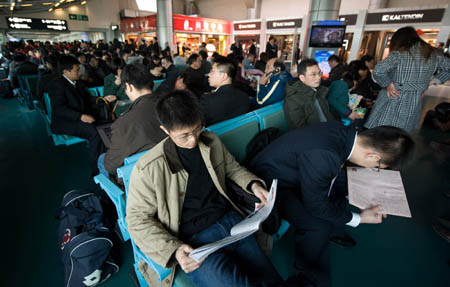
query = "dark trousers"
{"x": 84, "y": 131}
{"x": 312, "y": 234}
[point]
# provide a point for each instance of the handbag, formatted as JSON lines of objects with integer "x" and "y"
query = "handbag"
{"x": 104, "y": 110}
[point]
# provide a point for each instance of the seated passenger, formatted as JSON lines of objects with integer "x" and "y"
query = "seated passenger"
{"x": 337, "y": 70}
{"x": 338, "y": 97}
{"x": 73, "y": 108}
{"x": 113, "y": 88}
{"x": 306, "y": 100}
{"x": 309, "y": 165}
{"x": 95, "y": 76}
{"x": 46, "y": 79}
{"x": 178, "y": 201}
{"x": 183, "y": 82}
{"x": 272, "y": 83}
{"x": 225, "y": 102}
{"x": 240, "y": 80}
{"x": 249, "y": 62}
{"x": 137, "y": 129}
{"x": 171, "y": 71}
{"x": 196, "y": 74}
{"x": 261, "y": 63}
{"x": 206, "y": 65}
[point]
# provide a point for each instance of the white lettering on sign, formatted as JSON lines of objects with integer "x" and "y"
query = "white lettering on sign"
{"x": 386, "y": 18}
{"x": 283, "y": 24}
{"x": 247, "y": 26}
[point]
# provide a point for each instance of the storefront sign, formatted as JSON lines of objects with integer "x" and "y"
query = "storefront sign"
{"x": 78, "y": 17}
{"x": 415, "y": 16}
{"x": 183, "y": 23}
{"x": 348, "y": 19}
{"x": 138, "y": 24}
{"x": 284, "y": 24}
{"x": 36, "y": 24}
{"x": 247, "y": 26}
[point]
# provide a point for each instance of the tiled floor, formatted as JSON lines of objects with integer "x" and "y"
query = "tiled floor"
{"x": 35, "y": 175}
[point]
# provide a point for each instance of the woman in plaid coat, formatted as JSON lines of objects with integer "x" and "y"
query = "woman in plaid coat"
{"x": 405, "y": 75}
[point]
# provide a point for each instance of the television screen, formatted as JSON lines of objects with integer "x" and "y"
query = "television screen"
{"x": 326, "y": 36}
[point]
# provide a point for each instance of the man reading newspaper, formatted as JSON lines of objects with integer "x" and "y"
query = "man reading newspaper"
{"x": 178, "y": 201}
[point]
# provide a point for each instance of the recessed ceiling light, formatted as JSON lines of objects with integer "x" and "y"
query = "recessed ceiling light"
{"x": 84, "y": 2}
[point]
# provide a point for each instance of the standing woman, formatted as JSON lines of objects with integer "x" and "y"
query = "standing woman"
{"x": 405, "y": 75}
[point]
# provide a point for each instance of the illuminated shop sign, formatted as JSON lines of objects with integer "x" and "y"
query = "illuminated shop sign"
{"x": 200, "y": 25}
{"x": 284, "y": 24}
{"x": 138, "y": 24}
{"x": 247, "y": 26}
{"x": 36, "y": 24}
{"x": 415, "y": 16}
{"x": 348, "y": 19}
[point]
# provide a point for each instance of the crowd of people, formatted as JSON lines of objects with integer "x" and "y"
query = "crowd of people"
{"x": 178, "y": 199}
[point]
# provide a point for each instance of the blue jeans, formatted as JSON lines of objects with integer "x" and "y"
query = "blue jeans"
{"x": 101, "y": 165}
{"x": 241, "y": 264}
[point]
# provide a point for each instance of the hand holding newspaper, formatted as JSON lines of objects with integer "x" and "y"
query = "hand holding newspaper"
{"x": 368, "y": 188}
{"x": 241, "y": 230}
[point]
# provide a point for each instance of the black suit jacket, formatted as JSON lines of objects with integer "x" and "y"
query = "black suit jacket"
{"x": 308, "y": 159}
{"x": 225, "y": 103}
{"x": 68, "y": 103}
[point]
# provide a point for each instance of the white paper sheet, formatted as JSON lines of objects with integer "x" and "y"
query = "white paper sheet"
{"x": 368, "y": 187}
{"x": 241, "y": 230}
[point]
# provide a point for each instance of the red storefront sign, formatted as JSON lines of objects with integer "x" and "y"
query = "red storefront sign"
{"x": 189, "y": 24}
{"x": 138, "y": 24}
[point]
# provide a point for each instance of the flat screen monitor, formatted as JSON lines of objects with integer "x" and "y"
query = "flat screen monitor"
{"x": 327, "y": 36}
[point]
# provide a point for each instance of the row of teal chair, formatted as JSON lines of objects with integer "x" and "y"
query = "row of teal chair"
{"x": 235, "y": 133}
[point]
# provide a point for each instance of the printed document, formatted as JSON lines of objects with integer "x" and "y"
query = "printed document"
{"x": 368, "y": 187}
{"x": 241, "y": 230}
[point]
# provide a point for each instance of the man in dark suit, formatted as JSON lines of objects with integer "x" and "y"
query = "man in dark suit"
{"x": 225, "y": 102}
{"x": 172, "y": 72}
{"x": 196, "y": 74}
{"x": 309, "y": 164}
{"x": 72, "y": 108}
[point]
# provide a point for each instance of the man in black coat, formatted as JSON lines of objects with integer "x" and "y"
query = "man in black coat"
{"x": 72, "y": 108}
{"x": 309, "y": 164}
{"x": 196, "y": 74}
{"x": 172, "y": 72}
{"x": 225, "y": 102}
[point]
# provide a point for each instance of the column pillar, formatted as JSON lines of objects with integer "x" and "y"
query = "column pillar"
{"x": 255, "y": 12}
{"x": 164, "y": 23}
{"x": 358, "y": 35}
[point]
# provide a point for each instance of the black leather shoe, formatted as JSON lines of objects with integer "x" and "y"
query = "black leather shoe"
{"x": 344, "y": 241}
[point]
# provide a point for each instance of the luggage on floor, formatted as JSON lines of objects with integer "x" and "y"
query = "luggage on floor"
{"x": 85, "y": 240}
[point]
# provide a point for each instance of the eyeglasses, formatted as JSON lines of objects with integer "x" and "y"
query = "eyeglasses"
{"x": 377, "y": 169}
{"x": 195, "y": 133}
{"x": 315, "y": 74}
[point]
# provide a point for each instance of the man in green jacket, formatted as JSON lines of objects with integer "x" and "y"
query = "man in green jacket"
{"x": 178, "y": 201}
{"x": 306, "y": 100}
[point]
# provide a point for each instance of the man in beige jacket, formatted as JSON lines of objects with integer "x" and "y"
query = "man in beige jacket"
{"x": 178, "y": 201}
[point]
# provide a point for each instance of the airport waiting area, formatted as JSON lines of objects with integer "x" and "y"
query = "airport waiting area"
{"x": 184, "y": 147}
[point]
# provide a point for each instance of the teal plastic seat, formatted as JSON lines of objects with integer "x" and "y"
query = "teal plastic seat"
{"x": 100, "y": 91}
{"x": 272, "y": 117}
{"x": 181, "y": 68}
{"x": 57, "y": 139}
{"x": 134, "y": 158}
{"x": 156, "y": 84}
{"x": 93, "y": 91}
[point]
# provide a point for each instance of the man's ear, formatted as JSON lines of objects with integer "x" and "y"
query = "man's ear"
{"x": 164, "y": 129}
{"x": 373, "y": 156}
{"x": 302, "y": 77}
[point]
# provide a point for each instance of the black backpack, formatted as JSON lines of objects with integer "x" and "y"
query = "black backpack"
{"x": 85, "y": 241}
{"x": 260, "y": 141}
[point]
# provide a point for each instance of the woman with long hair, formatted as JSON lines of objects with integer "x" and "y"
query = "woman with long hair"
{"x": 405, "y": 75}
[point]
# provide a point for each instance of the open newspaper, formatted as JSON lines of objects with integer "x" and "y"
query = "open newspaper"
{"x": 241, "y": 230}
{"x": 368, "y": 187}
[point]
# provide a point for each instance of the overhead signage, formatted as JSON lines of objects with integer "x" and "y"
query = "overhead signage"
{"x": 349, "y": 19}
{"x": 247, "y": 26}
{"x": 78, "y": 17}
{"x": 284, "y": 24}
{"x": 138, "y": 24}
{"x": 20, "y": 23}
{"x": 182, "y": 23}
{"x": 415, "y": 16}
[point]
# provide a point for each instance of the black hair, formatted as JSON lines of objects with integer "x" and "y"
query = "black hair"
{"x": 301, "y": 69}
{"x": 168, "y": 58}
{"x": 67, "y": 63}
{"x": 179, "y": 109}
{"x": 394, "y": 144}
{"x": 349, "y": 78}
{"x": 357, "y": 65}
{"x": 279, "y": 64}
{"x": 156, "y": 58}
{"x": 405, "y": 38}
{"x": 367, "y": 58}
{"x": 192, "y": 59}
{"x": 264, "y": 56}
{"x": 203, "y": 54}
{"x": 187, "y": 80}
{"x": 226, "y": 66}
{"x": 116, "y": 64}
{"x": 334, "y": 58}
{"x": 98, "y": 53}
{"x": 138, "y": 75}
{"x": 125, "y": 51}
{"x": 52, "y": 60}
